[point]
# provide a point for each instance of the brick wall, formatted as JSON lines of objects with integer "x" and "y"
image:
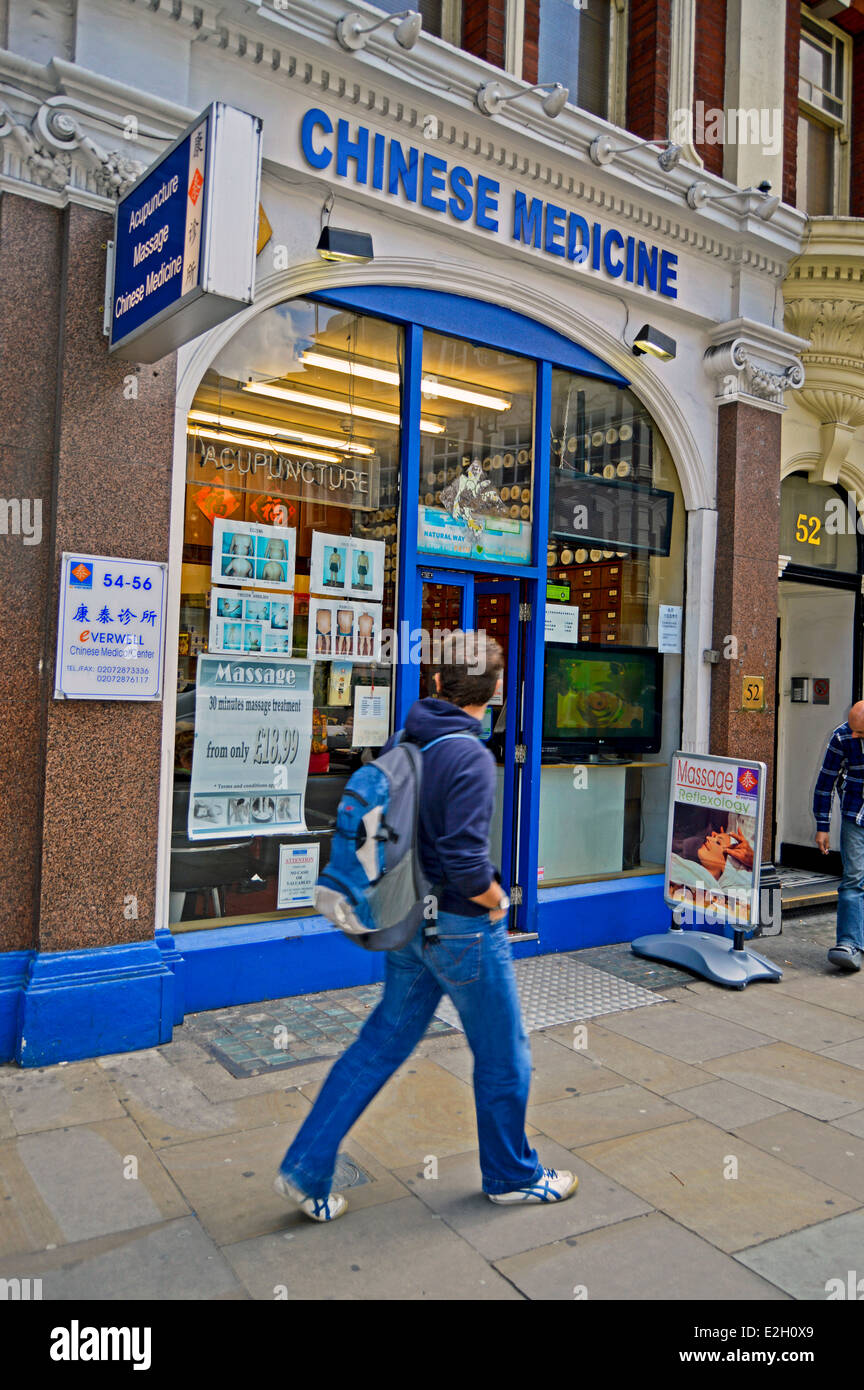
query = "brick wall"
{"x": 709, "y": 78}
{"x": 531, "y": 41}
{"x": 484, "y": 29}
{"x": 648, "y": 68}
{"x": 790, "y": 104}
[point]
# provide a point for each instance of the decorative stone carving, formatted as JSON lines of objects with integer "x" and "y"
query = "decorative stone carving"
{"x": 53, "y": 140}
{"x": 824, "y": 296}
{"x": 756, "y": 365}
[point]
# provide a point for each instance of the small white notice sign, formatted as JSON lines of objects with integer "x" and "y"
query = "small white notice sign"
{"x": 562, "y": 623}
{"x": 669, "y": 628}
{"x": 298, "y": 870}
{"x": 371, "y": 716}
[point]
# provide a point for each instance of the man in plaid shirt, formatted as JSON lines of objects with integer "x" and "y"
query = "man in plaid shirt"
{"x": 844, "y": 761}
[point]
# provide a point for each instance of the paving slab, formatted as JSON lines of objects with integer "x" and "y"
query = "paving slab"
{"x": 423, "y": 1109}
{"x": 803, "y": 1263}
{"x": 819, "y": 1148}
{"x": 782, "y": 1017}
{"x": 7, "y": 1129}
{"x": 632, "y": 1060}
{"x": 170, "y": 1109}
{"x": 852, "y": 1053}
{"x": 647, "y": 1258}
{"x": 841, "y": 992}
{"x": 851, "y": 1124}
{"x": 50, "y": 1097}
{"x": 587, "y": 1119}
{"x": 688, "y": 1033}
{"x": 399, "y": 1252}
{"x": 228, "y": 1181}
{"x": 724, "y": 1104}
{"x": 679, "y": 1169}
{"x": 75, "y": 1183}
{"x": 495, "y": 1231}
{"x": 557, "y": 1071}
{"x": 171, "y": 1261}
{"x": 803, "y": 1080}
{"x": 217, "y": 1084}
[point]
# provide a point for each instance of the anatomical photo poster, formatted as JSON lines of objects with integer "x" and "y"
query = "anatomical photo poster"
{"x": 344, "y": 631}
{"x": 347, "y": 565}
{"x": 249, "y": 554}
{"x": 247, "y": 621}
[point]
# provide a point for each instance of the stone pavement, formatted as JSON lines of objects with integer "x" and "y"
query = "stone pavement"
{"x": 718, "y": 1137}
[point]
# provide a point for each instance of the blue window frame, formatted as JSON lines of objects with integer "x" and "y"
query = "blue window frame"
{"x": 487, "y": 325}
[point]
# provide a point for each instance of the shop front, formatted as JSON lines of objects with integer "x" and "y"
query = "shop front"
{"x": 457, "y": 430}
{"x": 420, "y": 480}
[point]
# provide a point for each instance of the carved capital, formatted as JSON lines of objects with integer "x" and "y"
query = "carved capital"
{"x": 748, "y": 369}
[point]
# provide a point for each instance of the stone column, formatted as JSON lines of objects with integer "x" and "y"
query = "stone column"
{"x": 748, "y": 526}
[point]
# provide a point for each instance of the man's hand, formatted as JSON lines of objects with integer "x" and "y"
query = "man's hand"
{"x": 496, "y": 915}
{"x": 823, "y": 841}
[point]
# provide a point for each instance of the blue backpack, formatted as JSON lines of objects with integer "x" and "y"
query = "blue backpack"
{"x": 373, "y": 887}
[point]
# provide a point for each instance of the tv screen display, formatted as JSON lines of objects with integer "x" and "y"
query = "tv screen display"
{"x": 600, "y": 697}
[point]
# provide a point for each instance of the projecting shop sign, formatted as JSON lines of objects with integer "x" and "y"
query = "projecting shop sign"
{"x": 184, "y": 238}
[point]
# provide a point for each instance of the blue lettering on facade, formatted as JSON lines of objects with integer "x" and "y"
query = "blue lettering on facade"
{"x": 382, "y": 162}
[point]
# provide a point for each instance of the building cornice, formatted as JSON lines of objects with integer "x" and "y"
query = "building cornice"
{"x": 296, "y": 45}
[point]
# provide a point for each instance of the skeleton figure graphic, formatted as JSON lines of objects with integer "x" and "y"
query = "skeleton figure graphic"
{"x": 470, "y": 495}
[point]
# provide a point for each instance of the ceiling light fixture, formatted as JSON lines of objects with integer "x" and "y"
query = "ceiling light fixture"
{"x": 241, "y": 422}
{"x": 430, "y": 385}
{"x": 493, "y": 96}
{"x": 352, "y": 31}
{"x": 603, "y": 150}
{"x": 700, "y": 194}
{"x": 337, "y": 404}
{"x": 276, "y": 446}
{"x": 651, "y": 340}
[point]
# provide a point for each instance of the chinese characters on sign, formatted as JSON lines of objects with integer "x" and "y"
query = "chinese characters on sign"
{"x": 110, "y": 633}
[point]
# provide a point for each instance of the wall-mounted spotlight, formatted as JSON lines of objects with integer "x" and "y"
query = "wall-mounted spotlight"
{"x": 603, "y": 150}
{"x": 652, "y": 341}
{"x": 340, "y": 243}
{"x": 700, "y": 194}
{"x": 352, "y": 31}
{"x": 493, "y": 96}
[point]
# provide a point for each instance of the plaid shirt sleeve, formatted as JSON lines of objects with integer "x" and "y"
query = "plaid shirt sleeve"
{"x": 832, "y": 765}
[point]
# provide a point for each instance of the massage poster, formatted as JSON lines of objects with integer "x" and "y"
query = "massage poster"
{"x": 250, "y": 758}
{"x": 346, "y": 565}
{"x": 251, "y": 622}
{"x": 344, "y": 631}
{"x": 248, "y": 554}
{"x": 713, "y": 851}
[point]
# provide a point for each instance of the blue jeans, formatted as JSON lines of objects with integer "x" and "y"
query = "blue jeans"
{"x": 850, "y": 895}
{"x": 472, "y": 964}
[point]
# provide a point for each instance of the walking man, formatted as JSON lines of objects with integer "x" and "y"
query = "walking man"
{"x": 844, "y": 759}
{"x": 470, "y": 962}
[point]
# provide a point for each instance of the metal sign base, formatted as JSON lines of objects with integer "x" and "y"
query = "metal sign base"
{"x": 723, "y": 961}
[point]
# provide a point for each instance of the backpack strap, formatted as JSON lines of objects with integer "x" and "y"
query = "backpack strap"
{"x": 462, "y": 733}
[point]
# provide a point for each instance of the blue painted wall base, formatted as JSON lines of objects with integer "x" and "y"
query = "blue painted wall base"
{"x": 76, "y": 1004}
{"x": 67, "y": 1005}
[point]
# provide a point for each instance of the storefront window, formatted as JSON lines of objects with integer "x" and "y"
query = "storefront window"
{"x": 818, "y": 526}
{"x": 290, "y": 551}
{"x": 476, "y": 452}
{"x": 615, "y": 585}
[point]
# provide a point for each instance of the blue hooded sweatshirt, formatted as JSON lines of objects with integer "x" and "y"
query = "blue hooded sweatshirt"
{"x": 456, "y": 799}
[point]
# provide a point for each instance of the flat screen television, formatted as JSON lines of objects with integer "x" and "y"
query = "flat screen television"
{"x": 601, "y": 699}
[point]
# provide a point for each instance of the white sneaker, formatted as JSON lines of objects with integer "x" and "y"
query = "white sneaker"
{"x": 549, "y": 1187}
{"x": 318, "y": 1208}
